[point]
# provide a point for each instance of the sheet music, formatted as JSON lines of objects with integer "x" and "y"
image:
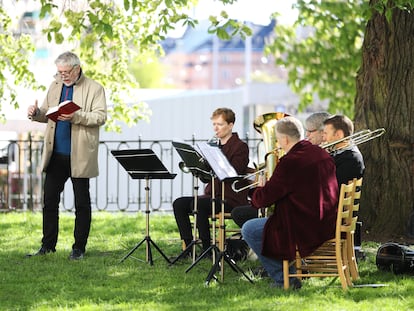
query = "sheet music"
{"x": 218, "y": 161}
{"x": 193, "y": 159}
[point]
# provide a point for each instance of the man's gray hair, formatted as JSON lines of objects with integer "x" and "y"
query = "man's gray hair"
{"x": 291, "y": 127}
{"x": 67, "y": 59}
{"x": 315, "y": 121}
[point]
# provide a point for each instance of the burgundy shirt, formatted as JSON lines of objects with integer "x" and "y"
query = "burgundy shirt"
{"x": 305, "y": 191}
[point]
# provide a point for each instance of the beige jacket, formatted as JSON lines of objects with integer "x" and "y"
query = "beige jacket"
{"x": 90, "y": 96}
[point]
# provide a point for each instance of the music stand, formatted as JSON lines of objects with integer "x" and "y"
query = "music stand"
{"x": 213, "y": 247}
{"x": 143, "y": 164}
{"x": 196, "y": 164}
{"x": 224, "y": 172}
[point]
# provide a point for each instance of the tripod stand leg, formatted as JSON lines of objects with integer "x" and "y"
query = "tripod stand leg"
{"x": 149, "y": 252}
{"x": 234, "y": 266}
{"x": 214, "y": 269}
{"x": 211, "y": 248}
{"x": 158, "y": 249}
{"x": 133, "y": 250}
{"x": 186, "y": 251}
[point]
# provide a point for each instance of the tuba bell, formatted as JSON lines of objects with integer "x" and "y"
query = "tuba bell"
{"x": 265, "y": 125}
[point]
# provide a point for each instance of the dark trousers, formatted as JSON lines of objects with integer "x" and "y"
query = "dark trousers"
{"x": 58, "y": 172}
{"x": 183, "y": 207}
{"x": 241, "y": 214}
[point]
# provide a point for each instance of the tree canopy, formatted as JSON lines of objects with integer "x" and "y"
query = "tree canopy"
{"x": 322, "y": 51}
{"x": 108, "y": 36}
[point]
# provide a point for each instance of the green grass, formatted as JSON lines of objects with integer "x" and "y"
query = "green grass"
{"x": 101, "y": 282}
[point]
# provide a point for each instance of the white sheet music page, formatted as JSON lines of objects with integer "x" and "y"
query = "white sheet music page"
{"x": 218, "y": 161}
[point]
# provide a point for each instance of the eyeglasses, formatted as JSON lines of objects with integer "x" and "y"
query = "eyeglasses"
{"x": 65, "y": 73}
{"x": 310, "y": 131}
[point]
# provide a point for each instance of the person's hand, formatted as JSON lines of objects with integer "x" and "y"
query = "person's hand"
{"x": 66, "y": 117}
{"x": 261, "y": 179}
{"x": 32, "y": 110}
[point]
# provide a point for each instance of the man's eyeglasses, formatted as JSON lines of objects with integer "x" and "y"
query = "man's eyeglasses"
{"x": 65, "y": 73}
{"x": 311, "y": 131}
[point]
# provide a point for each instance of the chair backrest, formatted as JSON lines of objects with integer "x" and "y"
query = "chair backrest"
{"x": 357, "y": 193}
{"x": 344, "y": 221}
{"x": 353, "y": 215}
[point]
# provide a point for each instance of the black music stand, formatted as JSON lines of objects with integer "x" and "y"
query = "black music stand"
{"x": 198, "y": 166}
{"x": 143, "y": 164}
{"x": 224, "y": 172}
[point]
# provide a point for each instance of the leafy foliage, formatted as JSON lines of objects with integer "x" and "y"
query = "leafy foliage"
{"x": 322, "y": 51}
{"x": 14, "y": 62}
{"x": 108, "y": 36}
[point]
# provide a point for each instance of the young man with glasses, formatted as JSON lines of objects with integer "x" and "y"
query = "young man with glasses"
{"x": 70, "y": 149}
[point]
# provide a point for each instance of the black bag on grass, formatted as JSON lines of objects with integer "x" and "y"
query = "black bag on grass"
{"x": 237, "y": 248}
{"x": 395, "y": 257}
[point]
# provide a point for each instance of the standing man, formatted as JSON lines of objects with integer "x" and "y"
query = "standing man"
{"x": 70, "y": 150}
{"x": 304, "y": 189}
{"x": 237, "y": 152}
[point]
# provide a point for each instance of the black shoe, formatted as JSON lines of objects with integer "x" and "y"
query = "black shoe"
{"x": 76, "y": 254}
{"x": 42, "y": 251}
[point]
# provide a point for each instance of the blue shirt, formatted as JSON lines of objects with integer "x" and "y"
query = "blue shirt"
{"x": 63, "y": 128}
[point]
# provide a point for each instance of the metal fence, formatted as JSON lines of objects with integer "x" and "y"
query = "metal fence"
{"x": 21, "y": 180}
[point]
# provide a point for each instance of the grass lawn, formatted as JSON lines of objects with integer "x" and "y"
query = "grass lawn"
{"x": 101, "y": 282}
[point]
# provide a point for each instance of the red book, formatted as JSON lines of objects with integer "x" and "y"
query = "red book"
{"x": 66, "y": 107}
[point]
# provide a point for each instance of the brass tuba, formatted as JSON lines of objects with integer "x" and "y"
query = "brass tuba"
{"x": 265, "y": 125}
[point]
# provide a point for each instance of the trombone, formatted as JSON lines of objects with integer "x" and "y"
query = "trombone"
{"x": 256, "y": 174}
{"x": 355, "y": 139}
{"x": 261, "y": 170}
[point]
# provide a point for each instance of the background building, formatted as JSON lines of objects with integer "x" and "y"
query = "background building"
{"x": 199, "y": 60}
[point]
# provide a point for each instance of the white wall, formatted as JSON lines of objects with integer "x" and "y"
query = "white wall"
{"x": 180, "y": 114}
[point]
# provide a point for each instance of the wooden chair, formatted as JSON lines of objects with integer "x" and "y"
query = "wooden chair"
{"x": 330, "y": 259}
{"x": 353, "y": 217}
{"x": 223, "y": 230}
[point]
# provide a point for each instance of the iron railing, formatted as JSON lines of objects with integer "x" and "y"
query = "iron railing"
{"x": 21, "y": 180}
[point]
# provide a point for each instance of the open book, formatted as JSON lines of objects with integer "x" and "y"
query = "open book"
{"x": 66, "y": 107}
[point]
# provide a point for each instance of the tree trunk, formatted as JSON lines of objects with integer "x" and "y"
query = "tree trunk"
{"x": 385, "y": 98}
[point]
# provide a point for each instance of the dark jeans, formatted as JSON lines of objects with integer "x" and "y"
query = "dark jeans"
{"x": 58, "y": 172}
{"x": 183, "y": 208}
{"x": 252, "y": 232}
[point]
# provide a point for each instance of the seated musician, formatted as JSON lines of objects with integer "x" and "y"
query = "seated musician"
{"x": 348, "y": 159}
{"x": 237, "y": 152}
{"x": 314, "y": 133}
{"x": 304, "y": 188}
{"x": 314, "y": 127}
